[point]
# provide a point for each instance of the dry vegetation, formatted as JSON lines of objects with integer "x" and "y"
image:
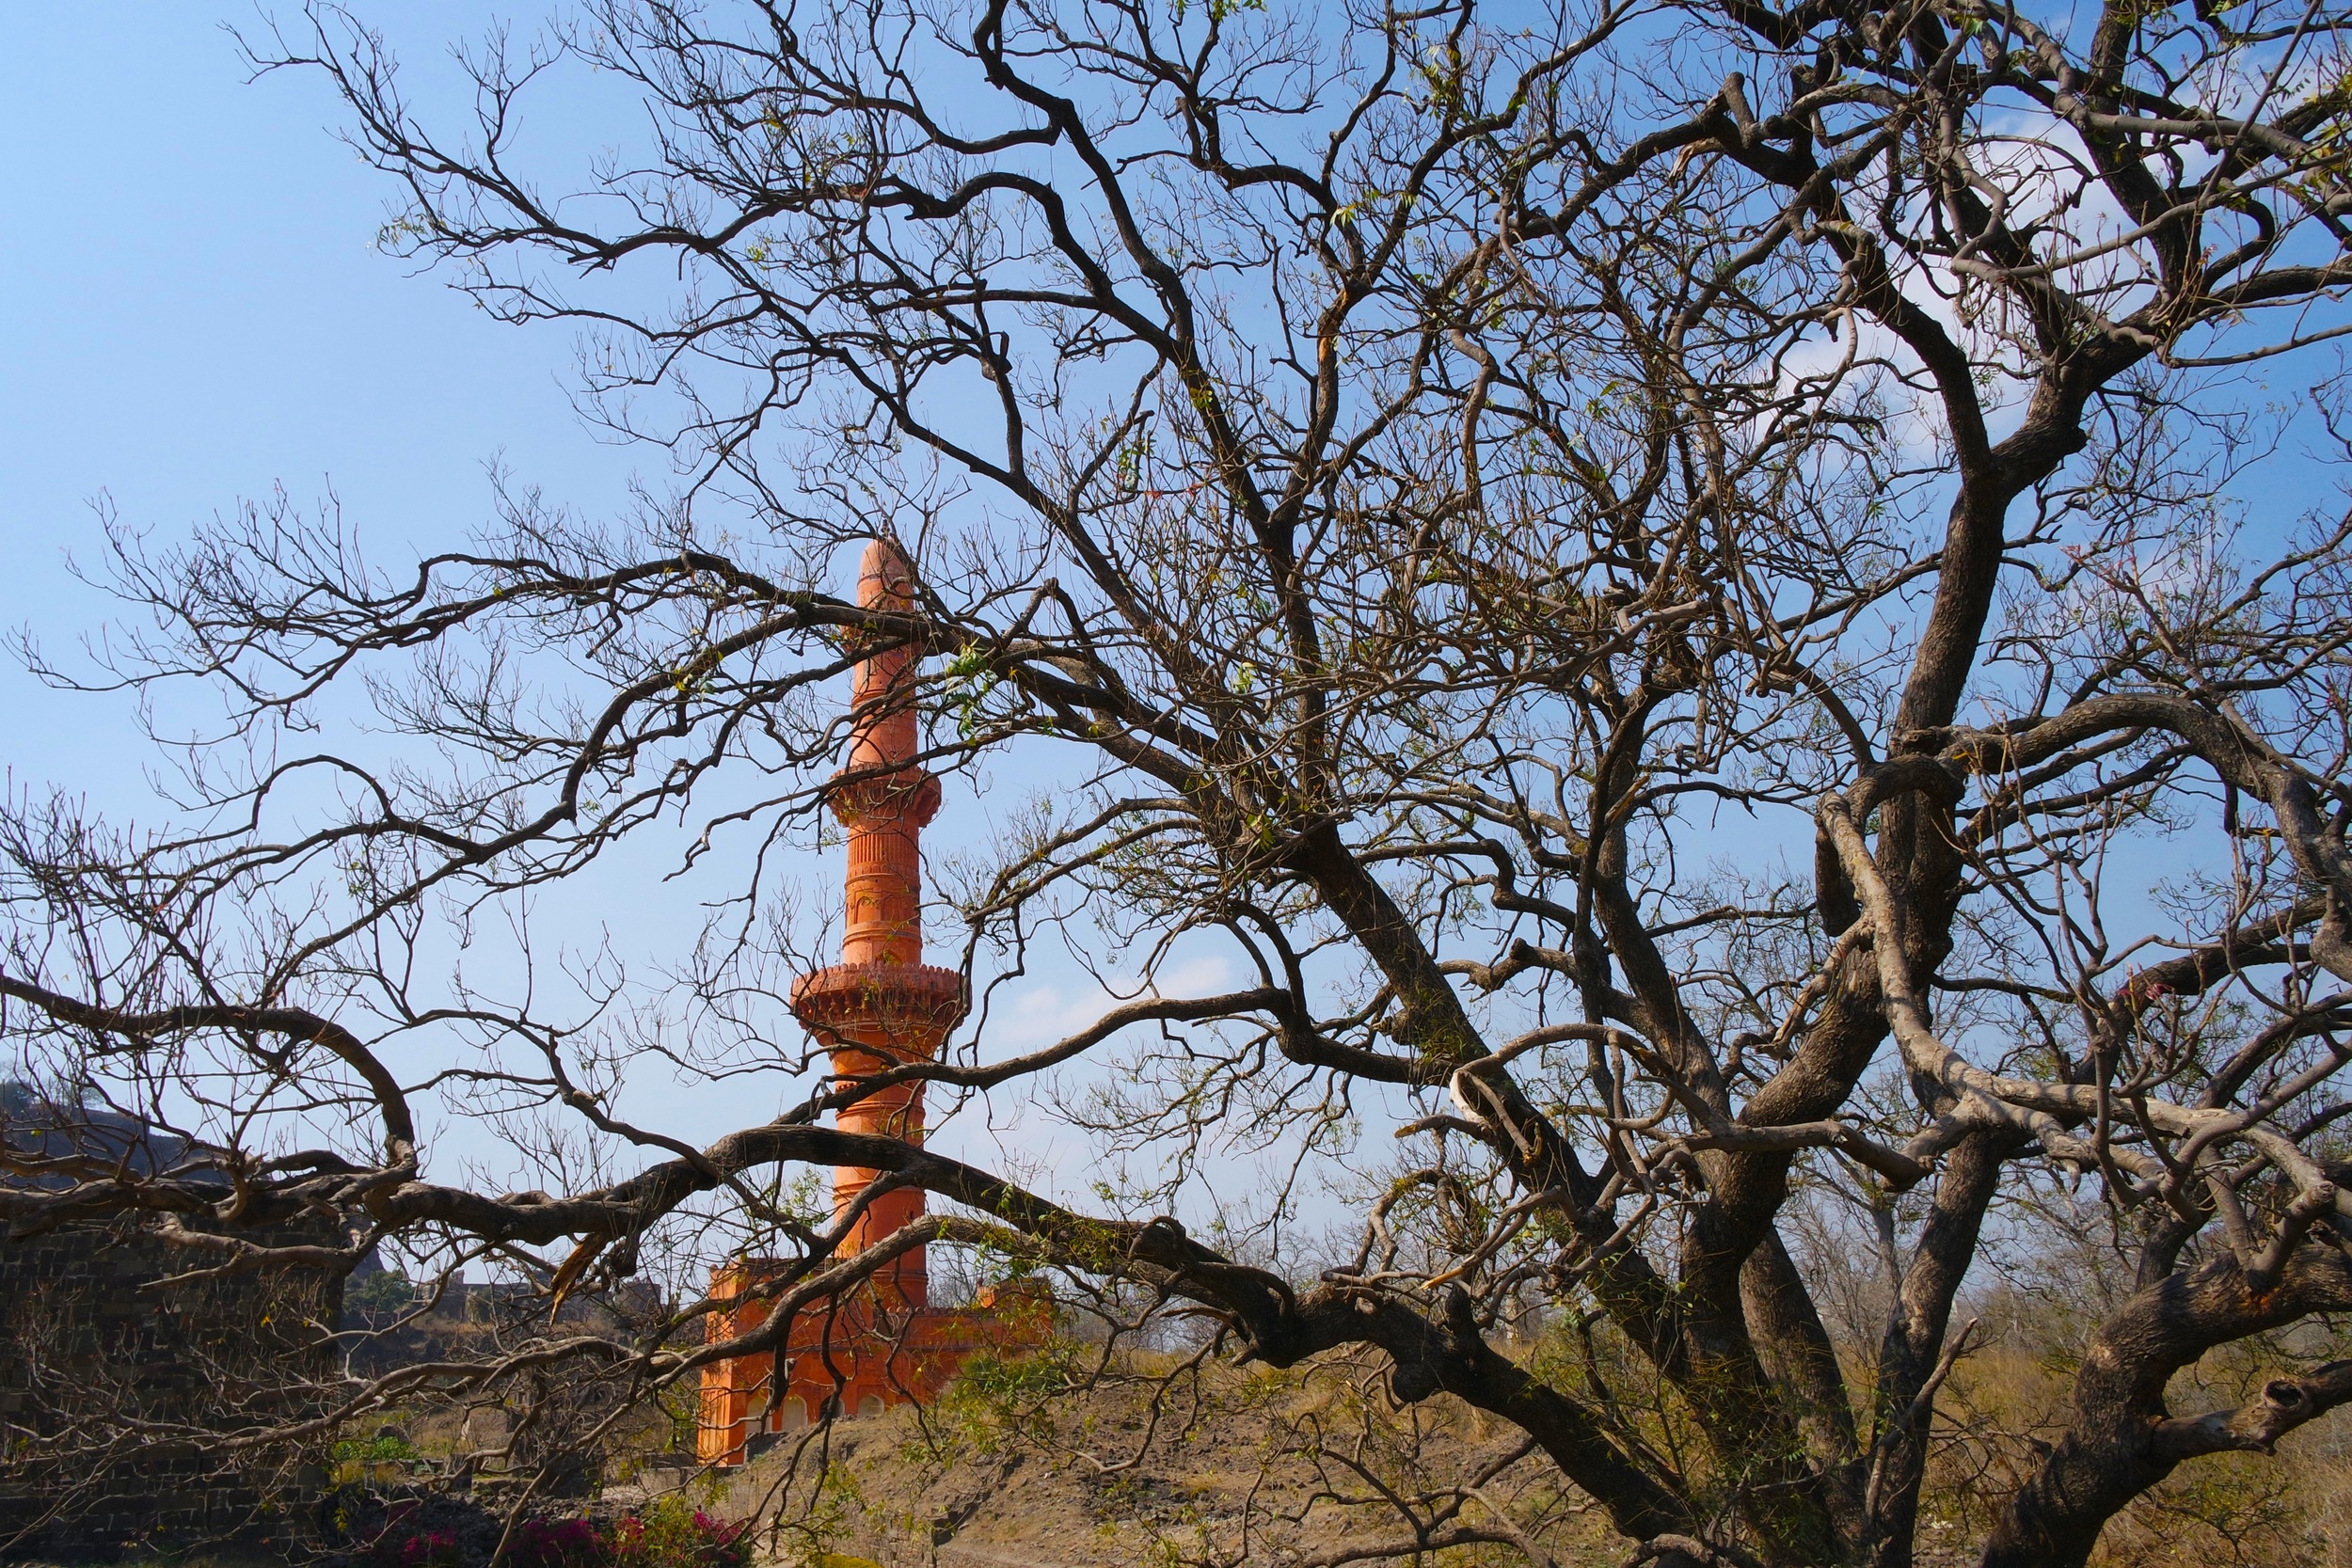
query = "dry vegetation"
{"x": 2007, "y": 1403}
{"x": 1046, "y": 1461}
{"x": 1048, "y": 1465}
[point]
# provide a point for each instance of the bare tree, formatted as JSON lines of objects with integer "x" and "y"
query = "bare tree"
{"x": 1458, "y": 505}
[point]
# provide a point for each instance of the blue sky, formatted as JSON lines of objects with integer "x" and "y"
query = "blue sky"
{"x": 192, "y": 311}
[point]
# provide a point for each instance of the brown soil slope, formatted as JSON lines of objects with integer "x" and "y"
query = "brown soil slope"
{"x": 1050, "y": 1465}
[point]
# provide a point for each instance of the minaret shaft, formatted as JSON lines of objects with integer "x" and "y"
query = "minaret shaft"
{"x": 882, "y": 1006}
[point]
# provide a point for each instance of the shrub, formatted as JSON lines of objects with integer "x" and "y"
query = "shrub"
{"x": 557, "y": 1544}
{"x": 401, "y": 1545}
{"x": 672, "y": 1533}
{"x": 385, "y": 1448}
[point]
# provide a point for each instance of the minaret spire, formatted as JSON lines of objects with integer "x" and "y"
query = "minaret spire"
{"x": 881, "y": 1006}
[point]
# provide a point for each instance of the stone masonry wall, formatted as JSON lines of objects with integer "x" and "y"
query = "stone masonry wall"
{"x": 88, "y": 1356}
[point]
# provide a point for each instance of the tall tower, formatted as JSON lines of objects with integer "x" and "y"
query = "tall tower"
{"x": 881, "y": 1006}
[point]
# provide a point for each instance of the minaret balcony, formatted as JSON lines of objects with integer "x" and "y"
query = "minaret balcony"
{"x": 907, "y": 796}
{"x": 918, "y": 1002}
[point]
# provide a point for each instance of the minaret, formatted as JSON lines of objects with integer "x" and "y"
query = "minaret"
{"x": 881, "y": 1005}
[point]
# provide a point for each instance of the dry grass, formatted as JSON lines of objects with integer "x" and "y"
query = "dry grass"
{"x": 1043, "y": 1465}
{"x": 1161, "y": 1466}
{"x": 2006, "y": 1404}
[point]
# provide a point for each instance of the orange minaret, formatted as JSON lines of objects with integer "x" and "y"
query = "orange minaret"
{"x": 881, "y": 1006}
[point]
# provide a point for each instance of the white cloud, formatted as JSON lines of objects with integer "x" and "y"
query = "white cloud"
{"x": 1038, "y": 1015}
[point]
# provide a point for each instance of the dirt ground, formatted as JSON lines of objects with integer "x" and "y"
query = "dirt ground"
{"x": 1050, "y": 1465}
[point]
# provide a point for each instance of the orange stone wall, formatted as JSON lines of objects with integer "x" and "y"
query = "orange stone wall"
{"x": 853, "y": 1357}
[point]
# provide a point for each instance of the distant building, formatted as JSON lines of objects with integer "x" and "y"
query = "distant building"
{"x": 120, "y": 1398}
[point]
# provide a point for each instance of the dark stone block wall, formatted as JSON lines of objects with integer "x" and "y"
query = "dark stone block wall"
{"x": 115, "y": 1395}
